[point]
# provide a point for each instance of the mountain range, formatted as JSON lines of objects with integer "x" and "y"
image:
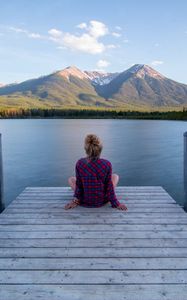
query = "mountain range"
{"x": 139, "y": 86}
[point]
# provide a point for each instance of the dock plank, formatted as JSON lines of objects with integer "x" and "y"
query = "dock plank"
{"x": 93, "y": 253}
{"x": 135, "y": 263}
{"x": 94, "y": 292}
{"x": 100, "y": 277}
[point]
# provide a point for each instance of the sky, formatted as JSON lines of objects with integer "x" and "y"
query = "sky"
{"x": 39, "y": 37}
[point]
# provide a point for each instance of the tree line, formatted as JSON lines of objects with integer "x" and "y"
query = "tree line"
{"x": 91, "y": 113}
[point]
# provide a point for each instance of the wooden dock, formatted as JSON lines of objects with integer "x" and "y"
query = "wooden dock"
{"x": 93, "y": 253}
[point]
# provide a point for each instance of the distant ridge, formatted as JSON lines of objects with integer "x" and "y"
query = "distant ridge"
{"x": 140, "y": 85}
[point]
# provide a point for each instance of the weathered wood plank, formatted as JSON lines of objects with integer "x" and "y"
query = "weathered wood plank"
{"x": 67, "y": 263}
{"x": 94, "y": 292}
{"x": 117, "y": 214}
{"x": 94, "y": 234}
{"x": 93, "y": 252}
{"x": 94, "y": 227}
{"x": 93, "y": 277}
{"x": 97, "y": 242}
{"x": 131, "y": 208}
{"x": 105, "y": 209}
{"x": 18, "y": 220}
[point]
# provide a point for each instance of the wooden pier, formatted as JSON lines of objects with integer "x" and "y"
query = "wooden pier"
{"x": 93, "y": 253}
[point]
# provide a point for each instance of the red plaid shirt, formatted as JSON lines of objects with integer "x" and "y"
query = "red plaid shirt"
{"x": 94, "y": 185}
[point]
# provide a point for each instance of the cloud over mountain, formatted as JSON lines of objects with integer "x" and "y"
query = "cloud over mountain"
{"x": 86, "y": 41}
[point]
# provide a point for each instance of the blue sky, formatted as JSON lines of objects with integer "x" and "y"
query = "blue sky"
{"x": 40, "y": 36}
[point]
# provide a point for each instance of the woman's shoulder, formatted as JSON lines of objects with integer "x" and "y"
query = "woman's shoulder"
{"x": 80, "y": 160}
{"x": 105, "y": 161}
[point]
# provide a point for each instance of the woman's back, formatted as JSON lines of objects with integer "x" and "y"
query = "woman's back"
{"x": 93, "y": 186}
{"x": 93, "y": 182}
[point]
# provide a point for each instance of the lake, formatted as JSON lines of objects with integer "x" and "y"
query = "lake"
{"x": 43, "y": 152}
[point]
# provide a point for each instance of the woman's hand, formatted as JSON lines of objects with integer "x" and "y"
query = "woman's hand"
{"x": 72, "y": 204}
{"x": 122, "y": 207}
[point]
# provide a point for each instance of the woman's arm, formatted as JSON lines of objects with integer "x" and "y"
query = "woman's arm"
{"x": 79, "y": 186}
{"x": 110, "y": 193}
{"x": 78, "y": 191}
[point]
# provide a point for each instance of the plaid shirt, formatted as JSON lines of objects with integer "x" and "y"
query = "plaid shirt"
{"x": 94, "y": 185}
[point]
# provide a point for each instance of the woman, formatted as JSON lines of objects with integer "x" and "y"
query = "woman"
{"x": 94, "y": 183}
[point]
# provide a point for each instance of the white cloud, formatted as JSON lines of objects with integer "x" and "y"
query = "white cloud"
{"x": 97, "y": 29}
{"x": 94, "y": 28}
{"x": 34, "y": 35}
{"x": 87, "y": 42}
{"x": 55, "y": 33}
{"x": 84, "y": 43}
{"x": 82, "y": 26}
{"x": 126, "y": 41}
{"x": 116, "y": 34}
{"x": 156, "y": 62}
{"x": 103, "y": 63}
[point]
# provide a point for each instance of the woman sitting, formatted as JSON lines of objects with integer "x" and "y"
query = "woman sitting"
{"x": 94, "y": 183}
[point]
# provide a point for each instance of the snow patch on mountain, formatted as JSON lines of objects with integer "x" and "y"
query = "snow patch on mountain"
{"x": 100, "y": 78}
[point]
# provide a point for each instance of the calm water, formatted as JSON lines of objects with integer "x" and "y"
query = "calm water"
{"x": 43, "y": 152}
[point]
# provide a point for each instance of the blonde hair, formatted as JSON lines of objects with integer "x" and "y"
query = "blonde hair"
{"x": 93, "y": 146}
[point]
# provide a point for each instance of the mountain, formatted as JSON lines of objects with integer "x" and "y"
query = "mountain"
{"x": 142, "y": 84}
{"x": 139, "y": 86}
{"x": 70, "y": 86}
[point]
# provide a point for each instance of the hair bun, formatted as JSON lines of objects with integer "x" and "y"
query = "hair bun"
{"x": 93, "y": 140}
{"x": 93, "y": 146}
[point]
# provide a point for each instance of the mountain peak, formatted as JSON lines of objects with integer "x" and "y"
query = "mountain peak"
{"x": 72, "y": 71}
{"x": 142, "y": 70}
